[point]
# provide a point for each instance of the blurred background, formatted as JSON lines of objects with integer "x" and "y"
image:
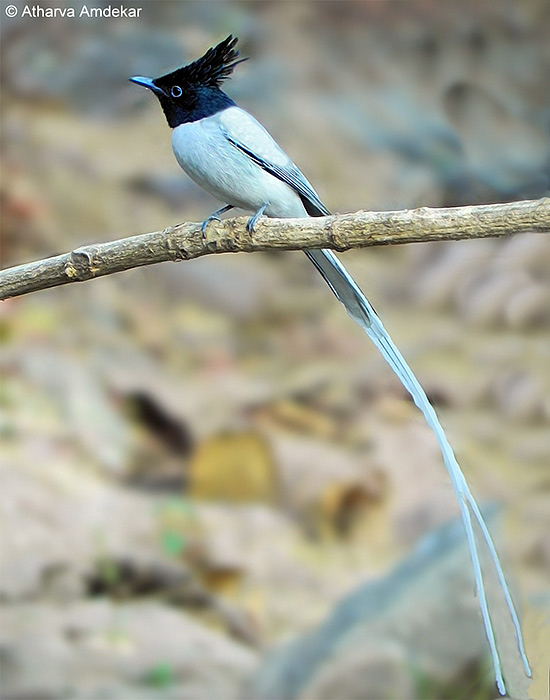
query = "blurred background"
{"x": 212, "y": 485}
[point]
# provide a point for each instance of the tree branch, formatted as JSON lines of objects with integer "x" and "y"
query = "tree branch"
{"x": 339, "y": 232}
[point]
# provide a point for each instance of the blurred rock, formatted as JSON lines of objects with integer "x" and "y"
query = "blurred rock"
{"x": 261, "y": 562}
{"x": 419, "y": 623}
{"x": 59, "y": 521}
{"x": 503, "y": 151}
{"x": 529, "y": 306}
{"x": 143, "y": 651}
{"x": 501, "y": 282}
{"x": 201, "y": 404}
{"x": 322, "y": 484}
{"x": 232, "y": 538}
{"x": 172, "y": 189}
{"x": 530, "y": 251}
{"x": 374, "y": 669}
{"x": 90, "y": 71}
{"x": 418, "y": 492}
{"x": 519, "y": 396}
{"x": 435, "y": 285}
{"x": 225, "y": 284}
{"x": 483, "y": 294}
{"x": 88, "y": 411}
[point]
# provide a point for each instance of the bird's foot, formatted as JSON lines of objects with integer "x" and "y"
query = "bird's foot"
{"x": 214, "y": 217}
{"x": 251, "y": 225}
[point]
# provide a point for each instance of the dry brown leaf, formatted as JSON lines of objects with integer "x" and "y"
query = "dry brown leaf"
{"x": 235, "y": 467}
{"x": 301, "y": 418}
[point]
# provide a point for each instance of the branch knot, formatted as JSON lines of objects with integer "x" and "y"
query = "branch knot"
{"x": 82, "y": 264}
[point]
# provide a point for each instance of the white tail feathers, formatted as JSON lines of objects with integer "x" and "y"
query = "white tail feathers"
{"x": 359, "y": 308}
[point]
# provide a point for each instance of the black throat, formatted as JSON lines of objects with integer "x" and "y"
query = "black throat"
{"x": 197, "y": 104}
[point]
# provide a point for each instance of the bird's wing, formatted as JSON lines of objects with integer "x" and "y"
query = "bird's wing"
{"x": 250, "y": 137}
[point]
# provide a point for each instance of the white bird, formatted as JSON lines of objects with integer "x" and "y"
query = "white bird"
{"x": 230, "y": 154}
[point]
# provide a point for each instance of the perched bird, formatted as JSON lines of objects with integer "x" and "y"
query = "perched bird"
{"x": 226, "y": 151}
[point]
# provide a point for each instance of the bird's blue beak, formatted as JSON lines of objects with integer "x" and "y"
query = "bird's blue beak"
{"x": 148, "y": 83}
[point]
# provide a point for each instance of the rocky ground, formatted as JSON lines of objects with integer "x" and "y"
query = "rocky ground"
{"x": 212, "y": 486}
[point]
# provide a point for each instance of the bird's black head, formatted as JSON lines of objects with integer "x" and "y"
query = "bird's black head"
{"x": 193, "y": 92}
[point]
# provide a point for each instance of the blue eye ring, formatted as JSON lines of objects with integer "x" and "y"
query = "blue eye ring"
{"x": 176, "y": 91}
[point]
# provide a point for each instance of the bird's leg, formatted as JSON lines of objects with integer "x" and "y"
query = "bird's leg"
{"x": 215, "y": 217}
{"x": 251, "y": 225}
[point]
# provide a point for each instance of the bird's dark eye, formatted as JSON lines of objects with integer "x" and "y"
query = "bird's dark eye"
{"x": 176, "y": 91}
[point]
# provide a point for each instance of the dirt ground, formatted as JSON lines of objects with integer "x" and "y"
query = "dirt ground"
{"x": 202, "y": 460}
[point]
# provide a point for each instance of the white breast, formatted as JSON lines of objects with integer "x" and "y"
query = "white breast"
{"x": 206, "y": 155}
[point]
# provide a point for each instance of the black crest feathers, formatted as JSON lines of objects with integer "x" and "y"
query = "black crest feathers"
{"x": 213, "y": 68}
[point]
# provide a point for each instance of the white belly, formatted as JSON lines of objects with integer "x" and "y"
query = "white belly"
{"x": 219, "y": 167}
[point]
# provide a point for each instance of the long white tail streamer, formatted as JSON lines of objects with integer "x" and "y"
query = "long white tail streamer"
{"x": 361, "y": 311}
